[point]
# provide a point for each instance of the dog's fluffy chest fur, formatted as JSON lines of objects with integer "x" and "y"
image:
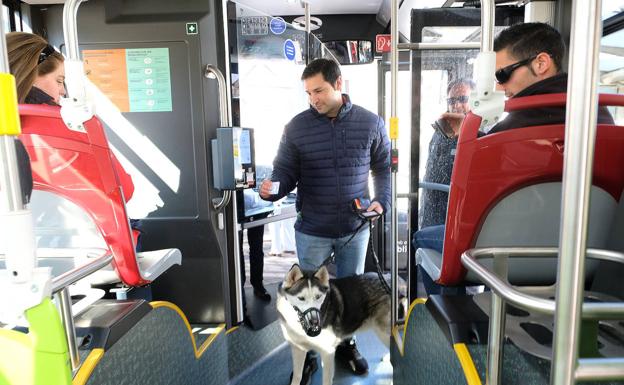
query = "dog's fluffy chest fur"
{"x": 294, "y": 333}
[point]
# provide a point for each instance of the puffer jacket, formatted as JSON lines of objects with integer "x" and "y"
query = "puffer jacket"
{"x": 329, "y": 161}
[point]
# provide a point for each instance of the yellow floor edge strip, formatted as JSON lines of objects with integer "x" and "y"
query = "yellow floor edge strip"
{"x": 395, "y": 329}
{"x": 198, "y": 351}
{"x": 465, "y": 359}
{"x": 87, "y": 367}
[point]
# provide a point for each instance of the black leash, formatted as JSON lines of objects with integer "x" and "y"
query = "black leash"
{"x": 332, "y": 256}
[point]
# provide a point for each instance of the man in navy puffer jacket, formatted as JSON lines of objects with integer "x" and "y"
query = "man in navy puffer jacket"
{"x": 328, "y": 152}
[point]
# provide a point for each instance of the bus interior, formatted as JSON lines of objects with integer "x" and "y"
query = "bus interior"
{"x": 127, "y": 263}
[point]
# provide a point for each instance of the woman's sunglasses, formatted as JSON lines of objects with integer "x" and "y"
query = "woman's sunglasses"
{"x": 47, "y": 51}
{"x": 503, "y": 74}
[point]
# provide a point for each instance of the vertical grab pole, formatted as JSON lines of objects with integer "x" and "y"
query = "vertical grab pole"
{"x": 488, "y": 8}
{"x": 581, "y": 118}
{"x": 308, "y": 29}
{"x": 9, "y": 175}
{"x": 212, "y": 71}
{"x": 70, "y": 28}
{"x": 496, "y": 331}
{"x": 394, "y": 135}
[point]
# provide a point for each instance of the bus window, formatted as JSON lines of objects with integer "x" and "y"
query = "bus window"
{"x": 612, "y": 69}
{"x": 267, "y": 78}
{"x": 358, "y": 85}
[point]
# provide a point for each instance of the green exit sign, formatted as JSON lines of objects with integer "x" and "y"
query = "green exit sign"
{"x": 191, "y": 29}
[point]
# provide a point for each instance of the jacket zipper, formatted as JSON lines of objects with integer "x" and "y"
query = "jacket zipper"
{"x": 337, "y": 169}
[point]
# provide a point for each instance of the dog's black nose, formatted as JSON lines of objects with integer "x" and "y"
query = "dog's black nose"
{"x": 313, "y": 331}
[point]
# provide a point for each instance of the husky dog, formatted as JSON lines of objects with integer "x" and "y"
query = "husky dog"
{"x": 317, "y": 313}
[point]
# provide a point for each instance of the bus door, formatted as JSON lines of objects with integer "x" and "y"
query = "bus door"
{"x": 146, "y": 61}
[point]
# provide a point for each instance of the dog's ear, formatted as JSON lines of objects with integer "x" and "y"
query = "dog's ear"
{"x": 323, "y": 275}
{"x": 293, "y": 275}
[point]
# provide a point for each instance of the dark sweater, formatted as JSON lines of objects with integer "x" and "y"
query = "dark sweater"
{"x": 37, "y": 96}
{"x": 329, "y": 161}
{"x": 547, "y": 115}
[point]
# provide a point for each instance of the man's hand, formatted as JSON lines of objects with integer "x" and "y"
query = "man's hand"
{"x": 265, "y": 189}
{"x": 454, "y": 119}
{"x": 375, "y": 206}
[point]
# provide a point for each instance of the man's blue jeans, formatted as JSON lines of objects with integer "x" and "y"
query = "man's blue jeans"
{"x": 431, "y": 237}
{"x": 312, "y": 251}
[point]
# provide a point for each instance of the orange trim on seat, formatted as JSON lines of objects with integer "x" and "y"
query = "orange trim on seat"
{"x": 88, "y": 366}
{"x": 395, "y": 329}
{"x": 465, "y": 360}
{"x": 209, "y": 340}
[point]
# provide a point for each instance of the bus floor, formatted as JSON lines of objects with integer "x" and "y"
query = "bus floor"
{"x": 263, "y": 357}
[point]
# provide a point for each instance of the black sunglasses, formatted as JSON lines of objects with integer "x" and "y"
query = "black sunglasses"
{"x": 457, "y": 99}
{"x": 503, "y": 74}
{"x": 47, "y": 51}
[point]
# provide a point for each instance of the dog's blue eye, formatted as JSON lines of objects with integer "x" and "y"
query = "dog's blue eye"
{"x": 318, "y": 296}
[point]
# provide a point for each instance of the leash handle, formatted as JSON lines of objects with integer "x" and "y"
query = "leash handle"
{"x": 332, "y": 256}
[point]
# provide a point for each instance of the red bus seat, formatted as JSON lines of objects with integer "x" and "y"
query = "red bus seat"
{"x": 506, "y": 191}
{"x": 80, "y": 167}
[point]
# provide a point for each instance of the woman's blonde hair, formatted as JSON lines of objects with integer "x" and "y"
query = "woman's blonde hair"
{"x": 29, "y": 57}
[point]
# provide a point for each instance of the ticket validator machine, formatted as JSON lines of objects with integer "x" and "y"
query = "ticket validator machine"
{"x": 233, "y": 163}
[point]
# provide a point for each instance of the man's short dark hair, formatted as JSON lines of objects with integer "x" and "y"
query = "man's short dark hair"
{"x": 327, "y": 67}
{"x": 461, "y": 81}
{"x": 523, "y": 41}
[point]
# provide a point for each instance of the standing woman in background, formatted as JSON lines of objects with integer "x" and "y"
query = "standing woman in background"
{"x": 38, "y": 69}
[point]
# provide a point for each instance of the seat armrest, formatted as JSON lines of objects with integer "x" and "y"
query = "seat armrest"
{"x": 153, "y": 263}
{"x": 431, "y": 261}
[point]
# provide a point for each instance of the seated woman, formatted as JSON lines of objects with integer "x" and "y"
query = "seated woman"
{"x": 39, "y": 73}
{"x": 38, "y": 69}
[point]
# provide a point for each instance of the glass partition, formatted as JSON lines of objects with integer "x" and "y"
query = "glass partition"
{"x": 267, "y": 63}
{"x": 612, "y": 69}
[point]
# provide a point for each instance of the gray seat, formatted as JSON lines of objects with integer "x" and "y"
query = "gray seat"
{"x": 530, "y": 217}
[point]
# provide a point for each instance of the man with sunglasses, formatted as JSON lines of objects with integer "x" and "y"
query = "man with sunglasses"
{"x": 433, "y": 204}
{"x": 442, "y": 153}
{"x": 529, "y": 62}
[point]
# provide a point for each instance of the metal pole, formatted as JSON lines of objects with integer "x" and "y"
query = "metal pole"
{"x": 69, "y": 278}
{"x": 581, "y": 117}
{"x": 225, "y": 121}
{"x": 600, "y": 368}
{"x": 496, "y": 332}
{"x": 423, "y": 46}
{"x": 496, "y": 336}
{"x": 394, "y": 70}
{"x": 487, "y": 25}
{"x": 4, "y": 59}
{"x": 212, "y": 72}
{"x": 65, "y": 306}
{"x": 308, "y": 29}
{"x": 70, "y": 28}
{"x": 238, "y": 282}
{"x": 9, "y": 173}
